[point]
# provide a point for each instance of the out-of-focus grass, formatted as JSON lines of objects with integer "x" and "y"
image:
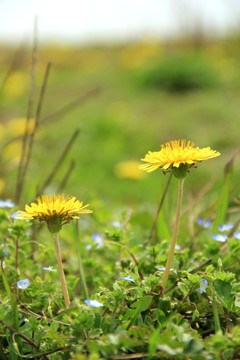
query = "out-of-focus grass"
{"x": 124, "y": 120}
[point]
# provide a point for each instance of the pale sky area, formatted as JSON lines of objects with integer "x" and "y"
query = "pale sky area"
{"x": 83, "y": 21}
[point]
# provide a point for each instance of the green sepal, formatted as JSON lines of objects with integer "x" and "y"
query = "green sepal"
{"x": 181, "y": 171}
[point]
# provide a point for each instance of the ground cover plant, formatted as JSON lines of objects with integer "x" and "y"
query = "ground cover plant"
{"x": 133, "y": 278}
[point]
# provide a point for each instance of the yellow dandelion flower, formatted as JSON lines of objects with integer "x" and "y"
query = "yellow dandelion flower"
{"x": 177, "y": 154}
{"x": 128, "y": 170}
{"x": 55, "y": 210}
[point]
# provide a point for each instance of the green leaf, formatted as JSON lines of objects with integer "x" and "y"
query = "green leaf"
{"x": 142, "y": 304}
{"x": 139, "y": 306}
{"x": 153, "y": 342}
{"x": 237, "y": 300}
{"x": 165, "y": 305}
{"x": 223, "y": 290}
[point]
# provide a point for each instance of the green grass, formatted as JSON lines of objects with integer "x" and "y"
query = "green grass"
{"x": 121, "y": 123}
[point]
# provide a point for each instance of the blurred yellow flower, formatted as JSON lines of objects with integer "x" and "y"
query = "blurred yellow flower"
{"x": 134, "y": 56}
{"x": 12, "y": 152}
{"x": 16, "y": 84}
{"x": 128, "y": 170}
{"x": 16, "y": 126}
{"x": 55, "y": 210}
{"x": 175, "y": 153}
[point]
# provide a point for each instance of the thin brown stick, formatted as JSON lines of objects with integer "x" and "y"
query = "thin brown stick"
{"x": 136, "y": 262}
{"x": 59, "y": 162}
{"x": 29, "y": 115}
{"x": 70, "y": 106}
{"x": 31, "y": 313}
{"x": 32, "y": 135}
{"x": 66, "y": 176}
{"x": 159, "y": 209}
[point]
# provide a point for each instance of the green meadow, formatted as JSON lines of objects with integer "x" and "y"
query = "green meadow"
{"x": 102, "y": 109}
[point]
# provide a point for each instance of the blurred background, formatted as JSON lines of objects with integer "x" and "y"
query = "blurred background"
{"x": 131, "y": 75}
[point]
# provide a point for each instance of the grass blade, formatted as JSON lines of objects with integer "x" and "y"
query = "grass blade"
{"x": 222, "y": 203}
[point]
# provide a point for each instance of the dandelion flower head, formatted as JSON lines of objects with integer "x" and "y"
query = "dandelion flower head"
{"x": 55, "y": 210}
{"x": 176, "y": 154}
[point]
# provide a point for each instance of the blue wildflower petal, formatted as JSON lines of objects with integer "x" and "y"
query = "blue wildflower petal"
{"x": 219, "y": 237}
{"x": 50, "y": 268}
{"x": 97, "y": 238}
{"x": 93, "y": 303}
{"x": 206, "y": 224}
{"x": 225, "y": 227}
{"x": 163, "y": 268}
{"x": 116, "y": 224}
{"x": 236, "y": 235}
{"x": 88, "y": 247}
{"x": 203, "y": 285}
{"x": 6, "y": 203}
{"x": 128, "y": 278}
{"x": 204, "y": 282}
{"x": 23, "y": 284}
{"x": 15, "y": 217}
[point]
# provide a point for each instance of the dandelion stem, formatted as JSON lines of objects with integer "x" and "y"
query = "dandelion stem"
{"x": 60, "y": 267}
{"x": 80, "y": 264}
{"x": 159, "y": 208}
{"x": 175, "y": 233}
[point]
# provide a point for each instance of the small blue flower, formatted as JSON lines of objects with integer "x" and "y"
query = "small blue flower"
{"x": 98, "y": 239}
{"x": 50, "y": 268}
{"x": 225, "y": 227}
{"x": 128, "y": 278}
{"x": 163, "y": 268}
{"x": 116, "y": 224}
{"x": 23, "y": 284}
{"x": 206, "y": 224}
{"x": 15, "y": 217}
{"x": 237, "y": 235}
{"x": 219, "y": 237}
{"x": 93, "y": 303}
{"x": 6, "y": 203}
{"x": 203, "y": 285}
{"x": 88, "y": 247}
